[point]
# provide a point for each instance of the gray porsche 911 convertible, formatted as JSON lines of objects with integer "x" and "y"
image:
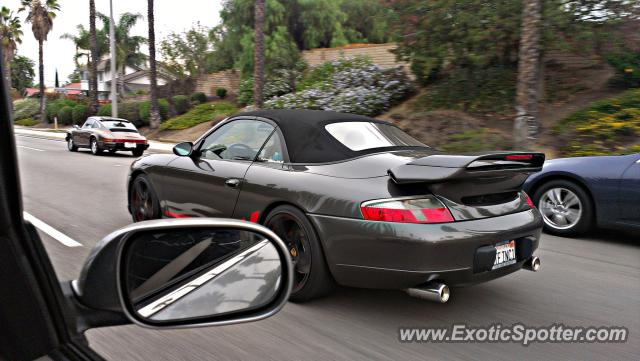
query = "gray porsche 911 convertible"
{"x": 357, "y": 201}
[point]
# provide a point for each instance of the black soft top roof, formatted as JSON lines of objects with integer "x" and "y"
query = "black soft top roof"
{"x": 307, "y": 139}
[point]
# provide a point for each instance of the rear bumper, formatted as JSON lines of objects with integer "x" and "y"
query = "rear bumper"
{"x": 399, "y": 255}
{"x": 120, "y": 146}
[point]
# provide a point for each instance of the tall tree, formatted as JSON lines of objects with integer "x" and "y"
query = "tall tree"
{"x": 258, "y": 62}
{"x": 22, "y": 73}
{"x": 526, "y": 125}
{"x": 94, "y": 59}
{"x": 127, "y": 46}
{"x": 41, "y": 16}
{"x": 10, "y": 33}
{"x": 154, "y": 111}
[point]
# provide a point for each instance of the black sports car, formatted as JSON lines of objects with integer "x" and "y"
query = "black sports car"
{"x": 357, "y": 200}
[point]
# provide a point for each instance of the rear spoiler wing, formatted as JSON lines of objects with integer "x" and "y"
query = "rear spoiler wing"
{"x": 442, "y": 167}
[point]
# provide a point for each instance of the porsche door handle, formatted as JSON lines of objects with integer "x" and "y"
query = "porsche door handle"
{"x": 232, "y": 182}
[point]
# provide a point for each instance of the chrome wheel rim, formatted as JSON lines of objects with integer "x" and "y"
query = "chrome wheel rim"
{"x": 94, "y": 146}
{"x": 70, "y": 144}
{"x": 560, "y": 208}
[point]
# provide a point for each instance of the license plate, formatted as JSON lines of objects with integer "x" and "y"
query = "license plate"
{"x": 129, "y": 145}
{"x": 505, "y": 254}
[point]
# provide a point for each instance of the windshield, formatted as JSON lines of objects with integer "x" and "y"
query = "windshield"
{"x": 368, "y": 135}
{"x": 119, "y": 126}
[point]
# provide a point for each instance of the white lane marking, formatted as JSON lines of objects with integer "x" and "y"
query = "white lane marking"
{"x": 39, "y": 150}
{"x": 57, "y": 235}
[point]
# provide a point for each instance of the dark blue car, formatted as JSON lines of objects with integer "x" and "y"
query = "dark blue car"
{"x": 576, "y": 194}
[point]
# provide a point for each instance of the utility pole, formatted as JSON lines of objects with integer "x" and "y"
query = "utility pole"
{"x": 112, "y": 50}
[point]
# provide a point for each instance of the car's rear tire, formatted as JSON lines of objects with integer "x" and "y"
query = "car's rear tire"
{"x": 95, "y": 148}
{"x": 143, "y": 201}
{"x": 566, "y": 208}
{"x": 312, "y": 278}
{"x": 137, "y": 152}
{"x": 71, "y": 146}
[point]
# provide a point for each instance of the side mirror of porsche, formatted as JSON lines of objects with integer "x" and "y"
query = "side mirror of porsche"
{"x": 183, "y": 273}
{"x": 76, "y": 126}
{"x": 183, "y": 149}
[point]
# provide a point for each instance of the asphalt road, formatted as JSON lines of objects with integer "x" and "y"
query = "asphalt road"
{"x": 594, "y": 281}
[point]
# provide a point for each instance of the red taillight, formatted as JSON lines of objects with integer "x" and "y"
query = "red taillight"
{"x": 518, "y": 157}
{"x": 528, "y": 200}
{"x": 415, "y": 210}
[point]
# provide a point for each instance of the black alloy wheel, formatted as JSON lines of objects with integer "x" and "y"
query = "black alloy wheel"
{"x": 144, "y": 203}
{"x": 311, "y": 275}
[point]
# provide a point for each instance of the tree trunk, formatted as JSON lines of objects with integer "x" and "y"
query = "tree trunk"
{"x": 258, "y": 57}
{"x": 527, "y": 125}
{"x": 43, "y": 98}
{"x": 93, "y": 61}
{"x": 154, "y": 112}
{"x": 120, "y": 82}
{"x": 6, "y": 62}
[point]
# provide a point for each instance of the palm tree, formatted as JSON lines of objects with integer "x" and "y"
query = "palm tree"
{"x": 526, "y": 125}
{"x": 10, "y": 33}
{"x": 92, "y": 45}
{"x": 41, "y": 17}
{"x": 95, "y": 58}
{"x": 127, "y": 46}
{"x": 258, "y": 56}
{"x": 154, "y": 113}
{"x": 81, "y": 42}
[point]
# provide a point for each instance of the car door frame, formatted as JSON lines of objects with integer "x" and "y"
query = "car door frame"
{"x": 33, "y": 307}
{"x": 170, "y": 208}
{"x": 623, "y": 198}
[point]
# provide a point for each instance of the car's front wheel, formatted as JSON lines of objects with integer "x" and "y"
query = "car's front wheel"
{"x": 95, "y": 148}
{"x": 566, "y": 208}
{"x": 311, "y": 273}
{"x": 143, "y": 200}
{"x": 71, "y": 145}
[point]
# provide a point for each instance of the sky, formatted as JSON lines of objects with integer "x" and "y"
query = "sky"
{"x": 170, "y": 16}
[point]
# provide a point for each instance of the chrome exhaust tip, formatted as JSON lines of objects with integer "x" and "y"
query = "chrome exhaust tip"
{"x": 532, "y": 264}
{"x": 433, "y": 291}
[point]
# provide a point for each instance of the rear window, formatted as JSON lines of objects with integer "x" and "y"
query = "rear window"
{"x": 119, "y": 126}
{"x": 359, "y": 136}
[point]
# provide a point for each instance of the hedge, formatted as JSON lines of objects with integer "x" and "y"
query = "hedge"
{"x": 79, "y": 114}
{"x": 145, "y": 109}
{"x": 65, "y": 115}
{"x": 181, "y": 104}
{"x": 198, "y": 97}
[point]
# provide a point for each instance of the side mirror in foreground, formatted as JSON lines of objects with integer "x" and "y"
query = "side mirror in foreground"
{"x": 187, "y": 273}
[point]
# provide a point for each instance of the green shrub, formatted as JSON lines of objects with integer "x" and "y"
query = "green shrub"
{"x": 199, "y": 98}
{"x": 54, "y": 106}
{"x": 181, "y": 104}
{"x": 105, "y": 110}
{"x": 200, "y": 114}
{"x": 65, "y": 115}
{"x": 26, "y": 108}
{"x": 131, "y": 112}
{"x": 145, "y": 109}
{"x": 627, "y": 67}
{"x": 608, "y": 126}
{"x": 79, "y": 114}
{"x": 26, "y": 122}
{"x": 221, "y": 93}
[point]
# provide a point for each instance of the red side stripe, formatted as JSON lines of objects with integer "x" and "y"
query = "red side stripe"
{"x": 175, "y": 215}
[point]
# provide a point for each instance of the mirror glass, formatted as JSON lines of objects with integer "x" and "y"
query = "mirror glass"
{"x": 186, "y": 274}
{"x": 183, "y": 149}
